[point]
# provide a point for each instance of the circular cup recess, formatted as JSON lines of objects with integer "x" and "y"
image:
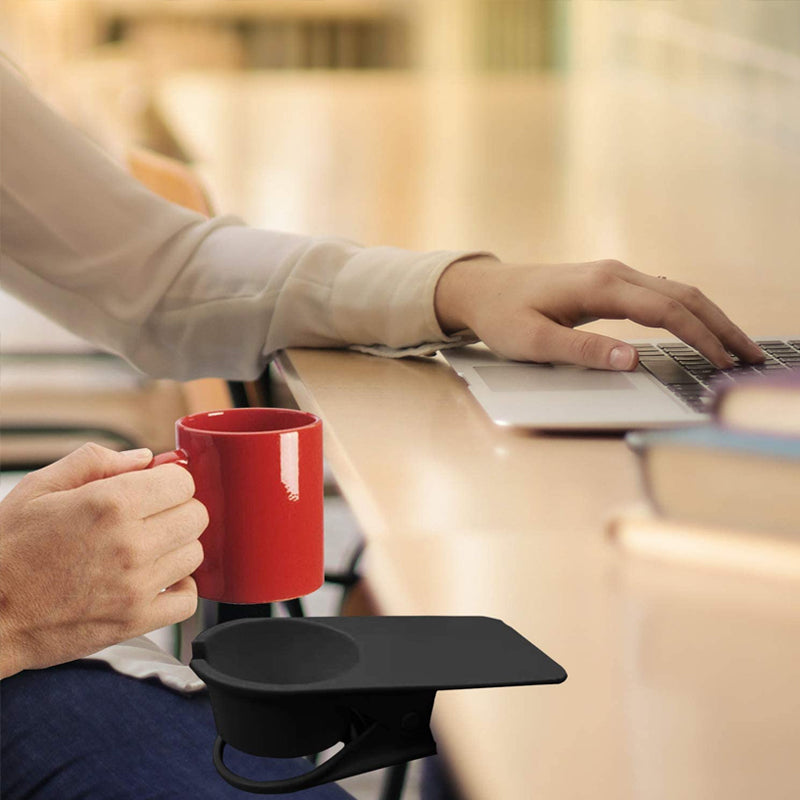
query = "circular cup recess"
{"x": 292, "y": 652}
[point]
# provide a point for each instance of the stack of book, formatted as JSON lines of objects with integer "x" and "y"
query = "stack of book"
{"x": 726, "y": 494}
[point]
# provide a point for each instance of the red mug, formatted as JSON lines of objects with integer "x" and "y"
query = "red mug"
{"x": 258, "y": 472}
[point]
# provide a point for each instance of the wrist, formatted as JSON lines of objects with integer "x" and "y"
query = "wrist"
{"x": 457, "y": 292}
{"x": 12, "y": 629}
{"x": 11, "y": 661}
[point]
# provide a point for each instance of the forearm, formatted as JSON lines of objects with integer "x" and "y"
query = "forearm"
{"x": 248, "y": 293}
{"x": 178, "y": 295}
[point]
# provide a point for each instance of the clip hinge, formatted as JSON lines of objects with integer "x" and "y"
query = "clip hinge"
{"x": 385, "y": 730}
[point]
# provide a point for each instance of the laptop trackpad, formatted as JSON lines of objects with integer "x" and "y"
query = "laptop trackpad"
{"x": 546, "y": 377}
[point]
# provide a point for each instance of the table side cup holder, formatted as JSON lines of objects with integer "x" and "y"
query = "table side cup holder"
{"x": 284, "y": 687}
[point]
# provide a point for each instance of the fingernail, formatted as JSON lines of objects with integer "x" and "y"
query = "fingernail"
{"x": 139, "y": 454}
{"x": 622, "y": 358}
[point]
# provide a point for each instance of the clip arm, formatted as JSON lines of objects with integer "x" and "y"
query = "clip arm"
{"x": 377, "y": 746}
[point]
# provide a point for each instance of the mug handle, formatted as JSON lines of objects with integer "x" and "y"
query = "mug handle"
{"x": 171, "y": 457}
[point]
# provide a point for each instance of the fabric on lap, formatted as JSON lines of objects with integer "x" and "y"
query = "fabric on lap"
{"x": 81, "y": 730}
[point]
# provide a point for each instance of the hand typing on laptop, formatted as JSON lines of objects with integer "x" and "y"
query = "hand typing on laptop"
{"x": 529, "y": 312}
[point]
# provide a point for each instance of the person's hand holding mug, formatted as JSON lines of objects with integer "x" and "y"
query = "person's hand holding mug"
{"x": 95, "y": 549}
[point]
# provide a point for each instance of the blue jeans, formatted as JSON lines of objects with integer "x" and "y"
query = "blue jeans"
{"x": 81, "y": 730}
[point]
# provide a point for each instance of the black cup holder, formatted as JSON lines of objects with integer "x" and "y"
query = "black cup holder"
{"x": 294, "y": 687}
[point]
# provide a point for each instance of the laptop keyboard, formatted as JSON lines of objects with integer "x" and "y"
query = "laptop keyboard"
{"x": 693, "y": 378}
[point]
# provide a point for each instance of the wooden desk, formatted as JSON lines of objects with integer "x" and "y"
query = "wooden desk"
{"x": 683, "y": 682}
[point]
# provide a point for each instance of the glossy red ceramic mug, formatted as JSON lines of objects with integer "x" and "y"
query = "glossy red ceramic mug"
{"x": 258, "y": 472}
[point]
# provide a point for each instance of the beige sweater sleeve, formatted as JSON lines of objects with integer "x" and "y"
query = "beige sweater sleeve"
{"x": 176, "y": 294}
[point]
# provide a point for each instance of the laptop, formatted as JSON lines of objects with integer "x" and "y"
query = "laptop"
{"x": 673, "y": 385}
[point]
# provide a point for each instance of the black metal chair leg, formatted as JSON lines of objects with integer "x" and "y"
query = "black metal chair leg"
{"x": 294, "y": 607}
{"x": 394, "y": 781}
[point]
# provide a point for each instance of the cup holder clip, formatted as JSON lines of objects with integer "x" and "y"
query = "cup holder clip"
{"x": 283, "y": 687}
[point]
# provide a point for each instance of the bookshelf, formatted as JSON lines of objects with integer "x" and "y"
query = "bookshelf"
{"x": 234, "y": 34}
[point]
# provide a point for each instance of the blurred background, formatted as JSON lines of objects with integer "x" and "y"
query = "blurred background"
{"x": 101, "y": 59}
{"x": 186, "y": 78}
